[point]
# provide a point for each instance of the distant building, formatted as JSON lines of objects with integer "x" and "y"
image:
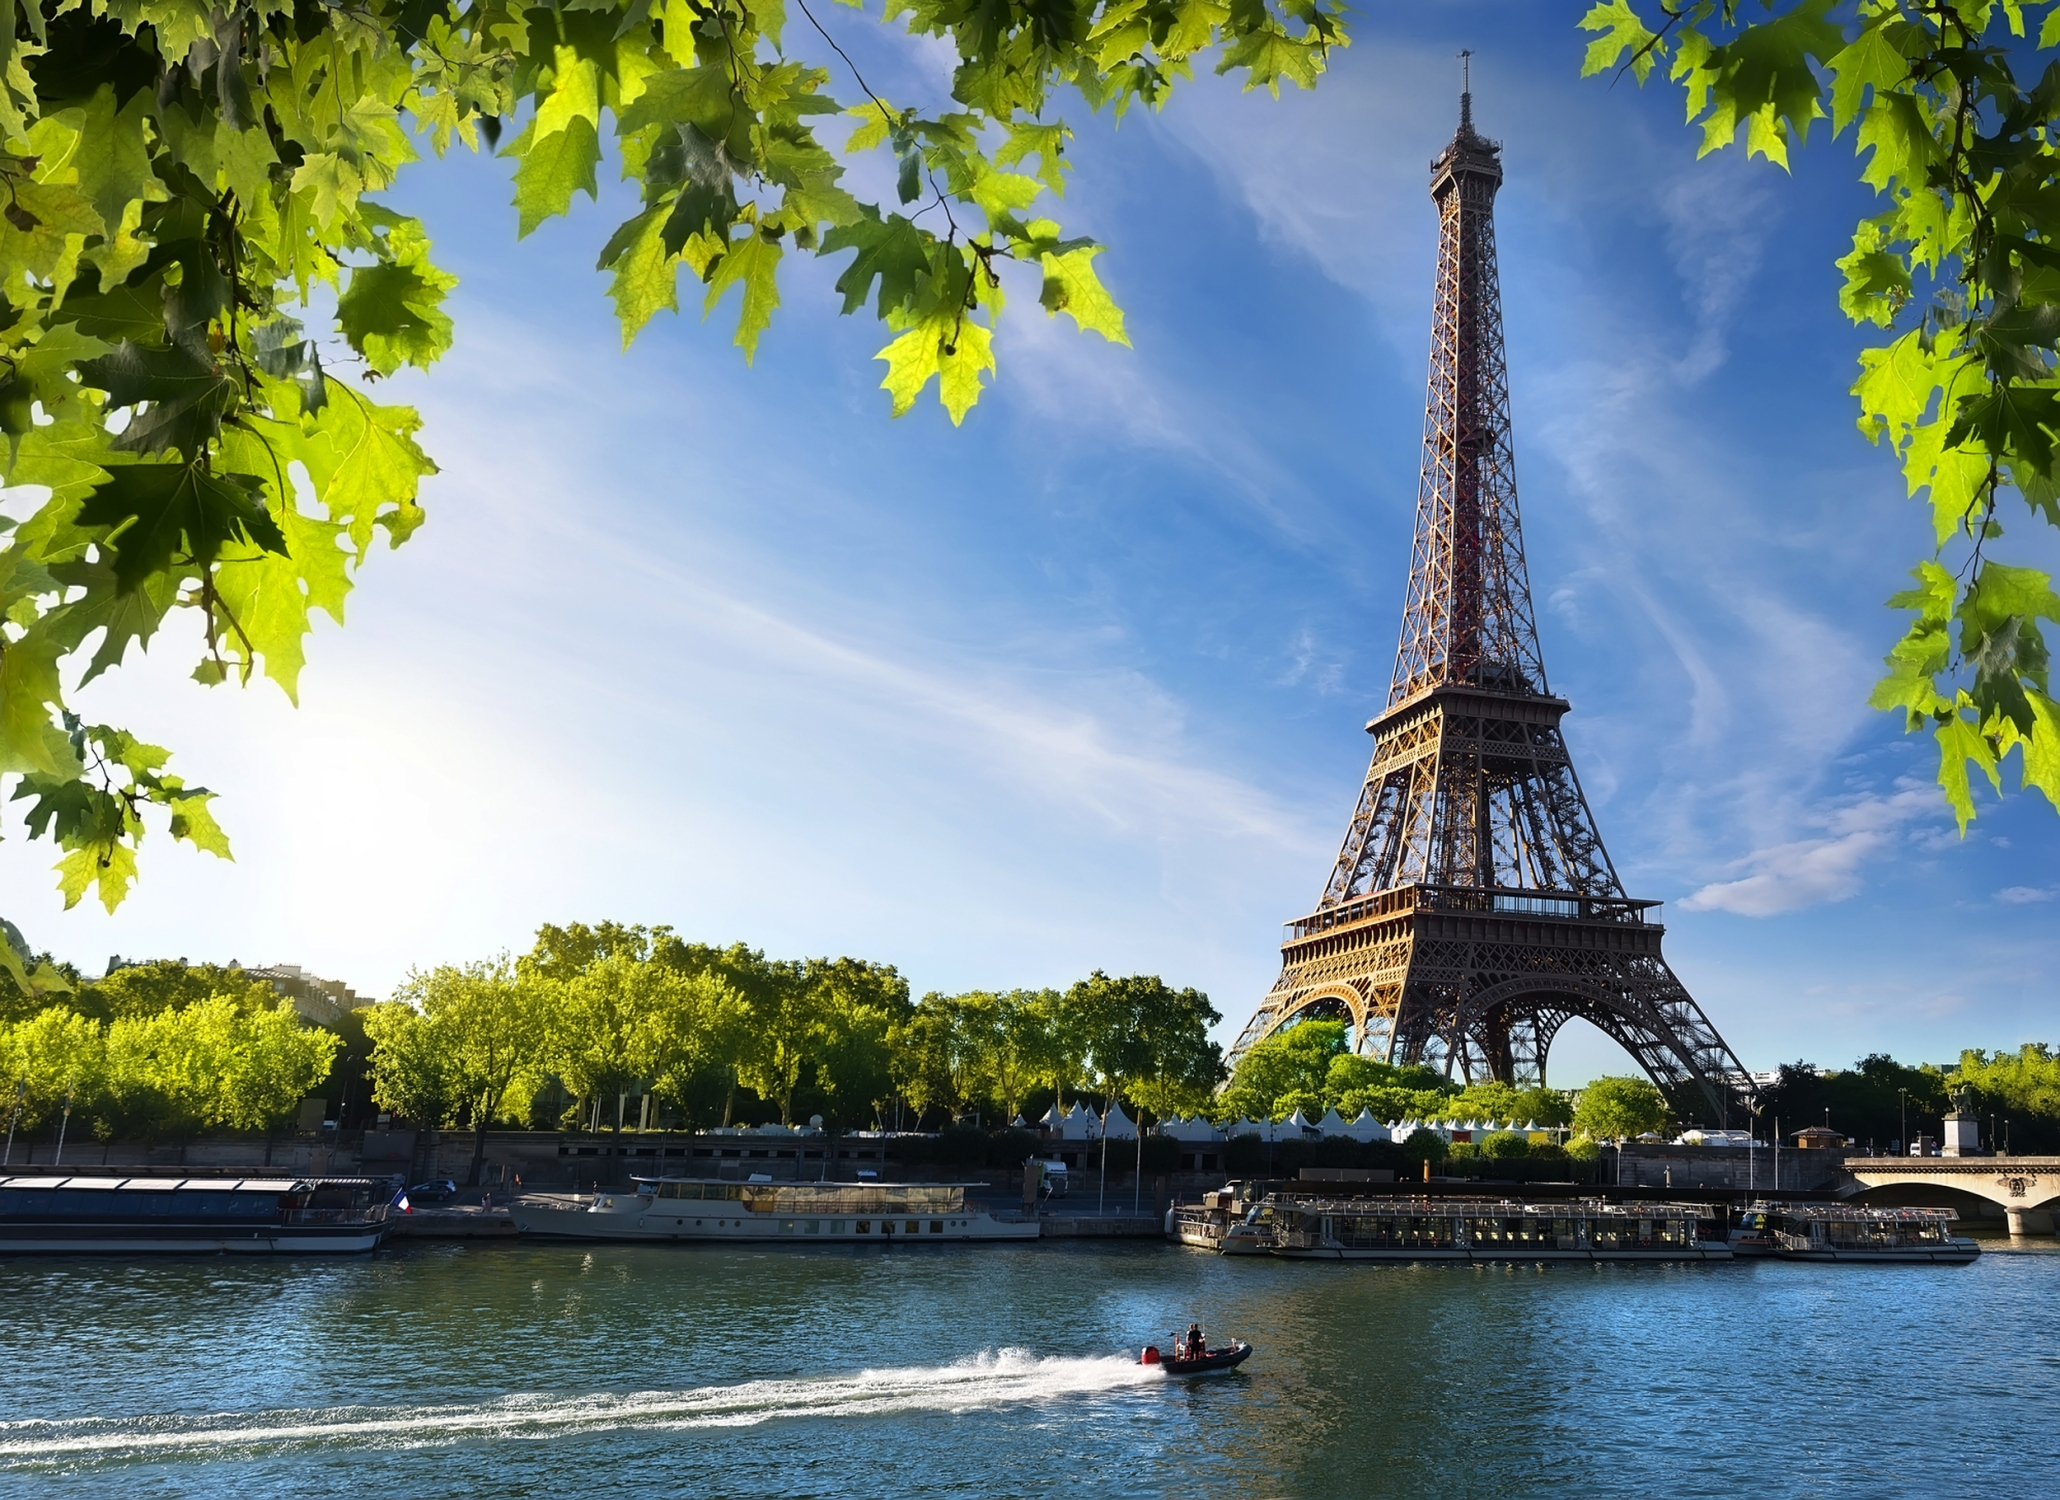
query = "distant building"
{"x": 1820, "y": 1138}
{"x": 323, "y": 1001}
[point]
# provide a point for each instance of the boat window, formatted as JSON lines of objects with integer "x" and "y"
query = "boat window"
{"x": 814, "y": 1226}
{"x": 864, "y": 1226}
{"x": 936, "y": 1226}
{"x": 787, "y": 1227}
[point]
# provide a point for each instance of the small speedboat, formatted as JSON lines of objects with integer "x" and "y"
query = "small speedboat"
{"x": 1207, "y": 1362}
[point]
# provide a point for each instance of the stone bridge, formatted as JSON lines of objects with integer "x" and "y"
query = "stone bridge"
{"x": 2026, "y": 1188}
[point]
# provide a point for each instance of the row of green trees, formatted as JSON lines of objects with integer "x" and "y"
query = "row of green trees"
{"x": 593, "y": 1016}
{"x": 223, "y": 1062}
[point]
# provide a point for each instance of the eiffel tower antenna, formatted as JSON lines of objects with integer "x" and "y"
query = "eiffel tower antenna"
{"x": 1472, "y": 910}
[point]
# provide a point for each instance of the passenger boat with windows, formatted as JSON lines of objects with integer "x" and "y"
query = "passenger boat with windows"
{"x": 1404, "y": 1229}
{"x": 686, "y": 1209}
{"x": 1223, "y": 1222}
{"x": 55, "y": 1215}
{"x": 1852, "y": 1232}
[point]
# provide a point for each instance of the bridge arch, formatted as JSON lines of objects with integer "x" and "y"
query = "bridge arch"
{"x": 2026, "y": 1190}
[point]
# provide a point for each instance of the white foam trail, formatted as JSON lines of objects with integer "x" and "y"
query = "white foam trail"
{"x": 1000, "y": 1378}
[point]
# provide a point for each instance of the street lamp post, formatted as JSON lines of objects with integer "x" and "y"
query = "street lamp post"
{"x": 1903, "y": 1139}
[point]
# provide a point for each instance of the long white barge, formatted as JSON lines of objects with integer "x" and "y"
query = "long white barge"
{"x": 1297, "y": 1227}
{"x": 54, "y": 1215}
{"x": 693, "y": 1209}
{"x": 1852, "y": 1232}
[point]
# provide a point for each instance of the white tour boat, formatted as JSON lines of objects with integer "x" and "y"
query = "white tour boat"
{"x": 1480, "y": 1229}
{"x": 1223, "y": 1222}
{"x": 1846, "y": 1231}
{"x": 693, "y": 1209}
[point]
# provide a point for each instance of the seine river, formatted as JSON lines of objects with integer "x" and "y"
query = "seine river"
{"x": 604, "y": 1372}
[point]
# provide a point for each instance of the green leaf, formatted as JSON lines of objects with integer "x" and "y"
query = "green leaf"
{"x": 1877, "y": 280}
{"x": 1269, "y": 55}
{"x": 1071, "y": 286}
{"x": 952, "y": 348}
{"x": 1623, "y": 32}
{"x": 111, "y": 867}
{"x": 1048, "y": 142}
{"x": 393, "y": 315}
{"x": 2001, "y": 593}
{"x": 2042, "y": 746}
{"x": 29, "y": 688}
{"x": 112, "y": 160}
{"x": 1871, "y": 61}
{"x": 186, "y": 393}
{"x": 646, "y": 274}
{"x": 121, "y": 617}
{"x": 553, "y": 168}
{"x": 366, "y": 467}
{"x": 893, "y": 251}
{"x": 1961, "y": 742}
{"x": 335, "y": 183}
{"x": 268, "y": 595}
{"x": 753, "y": 263}
{"x": 2011, "y": 419}
{"x": 1896, "y": 130}
{"x": 193, "y": 821}
{"x": 158, "y": 510}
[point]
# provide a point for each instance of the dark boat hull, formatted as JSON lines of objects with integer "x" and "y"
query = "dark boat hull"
{"x": 1212, "y": 1363}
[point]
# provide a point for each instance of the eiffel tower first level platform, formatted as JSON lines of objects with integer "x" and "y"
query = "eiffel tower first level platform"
{"x": 1473, "y": 910}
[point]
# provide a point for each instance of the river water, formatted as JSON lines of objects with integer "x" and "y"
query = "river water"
{"x": 994, "y": 1371}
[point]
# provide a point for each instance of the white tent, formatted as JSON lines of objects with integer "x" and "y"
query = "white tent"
{"x": 1297, "y": 1123}
{"x": 1263, "y": 1129}
{"x": 1196, "y": 1129}
{"x": 1367, "y": 1128}
{"x": 1332, "y": 1123}
{"x": 1117, "y": 1125}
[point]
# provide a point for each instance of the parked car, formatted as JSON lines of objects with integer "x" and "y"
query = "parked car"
{"x": 440, "y": 1191}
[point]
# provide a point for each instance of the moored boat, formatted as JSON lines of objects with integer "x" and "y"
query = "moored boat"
{"x": 56, "y": 1215}
{"x": 1223, "y": 1222}
{"x": 1456, "y": 1229}
{"x": 1851, "y": 1232}
{"x": 692, "y": 1209}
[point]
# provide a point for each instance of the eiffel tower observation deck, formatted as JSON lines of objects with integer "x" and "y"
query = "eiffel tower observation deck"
{"x": 1473, "y": 909}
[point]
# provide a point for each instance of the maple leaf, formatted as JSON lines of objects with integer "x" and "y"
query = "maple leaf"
{"x": 158, "y": 511}
{"x": 892, "y": 251}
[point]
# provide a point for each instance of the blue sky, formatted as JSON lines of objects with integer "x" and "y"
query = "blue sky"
{"x": 1081, "y": 683}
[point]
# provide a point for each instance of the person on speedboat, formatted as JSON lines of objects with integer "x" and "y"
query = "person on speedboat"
{"x": 1195, "y": 1346}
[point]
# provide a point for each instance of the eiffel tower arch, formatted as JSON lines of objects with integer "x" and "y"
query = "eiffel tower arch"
{"x": 1473, "y": 910}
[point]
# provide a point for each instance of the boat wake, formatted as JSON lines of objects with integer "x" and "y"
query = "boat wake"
{"x": 1007, "y": 1377}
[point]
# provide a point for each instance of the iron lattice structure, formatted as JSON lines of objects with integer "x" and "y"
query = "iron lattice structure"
{"x": 1473, "y": 909}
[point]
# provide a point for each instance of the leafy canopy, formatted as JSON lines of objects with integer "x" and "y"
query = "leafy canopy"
{"x": 1950, "y": 107}
{"x": 186, "y": 184}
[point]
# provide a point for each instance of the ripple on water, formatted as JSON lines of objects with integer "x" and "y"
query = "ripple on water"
{"x": 1009, "y": 1370}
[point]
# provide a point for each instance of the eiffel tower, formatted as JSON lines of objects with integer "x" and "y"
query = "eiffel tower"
{"x": 1473, "y": 910}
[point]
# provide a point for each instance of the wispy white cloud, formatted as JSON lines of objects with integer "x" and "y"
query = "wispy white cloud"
{"x": 1809, "y": 872}
{"x": 2024, "y": 895}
